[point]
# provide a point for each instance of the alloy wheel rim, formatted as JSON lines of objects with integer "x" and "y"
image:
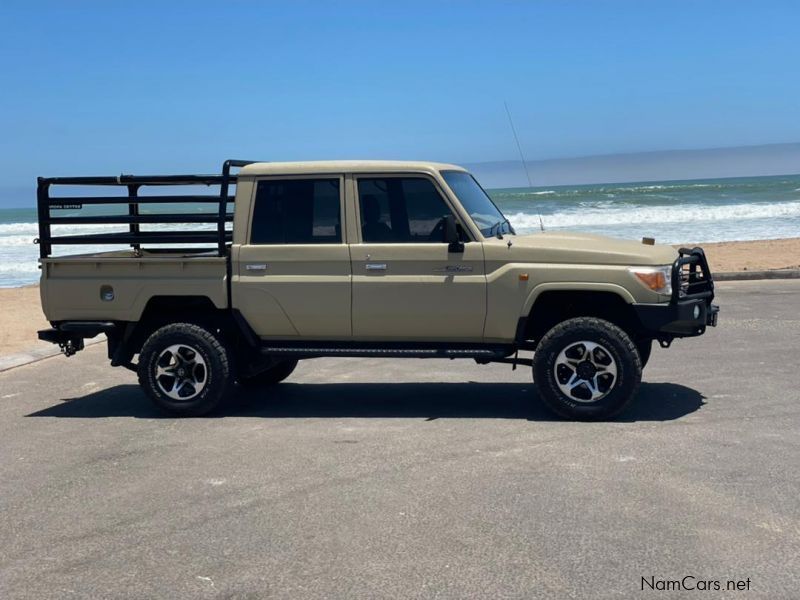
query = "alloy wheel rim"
{"x": 181, "y": 372}
{"x": 585, "y": 371}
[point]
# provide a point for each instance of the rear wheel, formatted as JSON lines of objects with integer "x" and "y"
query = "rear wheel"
{"x": 587, "y": 369}
{"x": 185, "y": 369}
{"x": 270, "y": 376}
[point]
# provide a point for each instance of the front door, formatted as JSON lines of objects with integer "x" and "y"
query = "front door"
{"x": 407, "y": 286}
{"x": 292, "y": 277}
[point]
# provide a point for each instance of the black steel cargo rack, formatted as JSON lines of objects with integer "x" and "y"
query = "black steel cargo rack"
{"x": 218, "y": 237}
{"x": 691, "y": 277}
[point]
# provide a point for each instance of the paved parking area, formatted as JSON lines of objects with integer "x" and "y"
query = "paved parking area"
{"x": 368, "y": 478}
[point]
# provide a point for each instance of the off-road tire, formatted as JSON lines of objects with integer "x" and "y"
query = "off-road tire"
{"x": 567, "y": 336}
{"x": 217, "y": 377}
{"x": 270, "y": 376}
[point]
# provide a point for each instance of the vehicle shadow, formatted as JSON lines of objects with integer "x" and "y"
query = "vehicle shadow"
{"x": 654, "y": 402}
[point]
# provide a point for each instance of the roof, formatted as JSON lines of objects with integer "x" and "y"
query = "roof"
{"x": 345, "y": 166}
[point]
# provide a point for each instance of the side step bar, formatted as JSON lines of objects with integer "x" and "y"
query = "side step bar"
{"x": 487, "y": 354}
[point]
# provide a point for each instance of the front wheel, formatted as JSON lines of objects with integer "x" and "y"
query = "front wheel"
{"x": 587, "y": 369}
{"x": 185, "y": 369}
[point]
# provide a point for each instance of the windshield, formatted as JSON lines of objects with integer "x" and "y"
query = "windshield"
{"x": 477, "y": 203}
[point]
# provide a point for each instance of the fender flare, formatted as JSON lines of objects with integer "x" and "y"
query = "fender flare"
{"x": 574, "y": 286}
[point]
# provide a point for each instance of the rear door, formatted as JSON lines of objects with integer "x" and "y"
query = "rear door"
{"x": 293, "y": 274}
{"x": 407, "y": 286}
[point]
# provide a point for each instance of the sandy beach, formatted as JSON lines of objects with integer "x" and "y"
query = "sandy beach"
{"x": 21, "y": 314}
{"x": 758, "y": 255}
{"x": 20, "y": 318}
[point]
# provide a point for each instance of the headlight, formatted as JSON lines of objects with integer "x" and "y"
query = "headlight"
{"x": 658, "y": 279}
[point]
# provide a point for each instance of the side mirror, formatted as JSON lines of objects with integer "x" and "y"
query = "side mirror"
{"x": 451, "y": 236}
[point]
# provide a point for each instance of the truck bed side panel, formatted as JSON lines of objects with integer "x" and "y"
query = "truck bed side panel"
{"x": 73, "y": 288}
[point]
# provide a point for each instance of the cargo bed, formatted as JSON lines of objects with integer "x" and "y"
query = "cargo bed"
{"x": 179, "y": 243}
{"x": 110, "y": 285}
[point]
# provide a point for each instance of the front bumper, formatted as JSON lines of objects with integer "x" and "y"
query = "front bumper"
{"x": 690, "y": 310}
{"x": 682, "y": 319}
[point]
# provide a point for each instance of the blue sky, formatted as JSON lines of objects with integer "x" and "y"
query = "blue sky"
{"x": 157, "y": 87}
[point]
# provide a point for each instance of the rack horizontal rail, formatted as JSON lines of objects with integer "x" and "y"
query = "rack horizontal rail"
{"x": 219, "y": 236}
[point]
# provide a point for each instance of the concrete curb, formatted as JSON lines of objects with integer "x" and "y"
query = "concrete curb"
{"x": 754, "y": 275}
{"x": 35, "y": 355}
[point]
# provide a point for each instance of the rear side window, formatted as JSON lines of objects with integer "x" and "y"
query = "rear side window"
{"x": 297, "y": 211}
{"x": 400, "y": 210}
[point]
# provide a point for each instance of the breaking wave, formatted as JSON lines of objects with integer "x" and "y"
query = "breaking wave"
{"x": 688, "y": 214}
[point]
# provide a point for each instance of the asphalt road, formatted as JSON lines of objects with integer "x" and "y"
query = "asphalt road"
{"x": 394, "y": 479}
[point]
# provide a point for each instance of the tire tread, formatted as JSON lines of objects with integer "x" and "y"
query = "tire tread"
{"x": 595, "y": 324}
{"x": 219, "y": 350}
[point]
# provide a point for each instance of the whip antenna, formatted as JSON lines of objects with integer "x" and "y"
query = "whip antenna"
{"x": 521, "y": 156}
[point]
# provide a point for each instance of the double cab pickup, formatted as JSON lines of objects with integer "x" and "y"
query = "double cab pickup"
{"x": 273, "y": 263}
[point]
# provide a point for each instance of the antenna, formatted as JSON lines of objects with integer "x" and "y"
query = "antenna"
{"x": 521, "y": 156}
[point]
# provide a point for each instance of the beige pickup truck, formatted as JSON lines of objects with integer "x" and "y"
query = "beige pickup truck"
{"x": 350, "y": 258}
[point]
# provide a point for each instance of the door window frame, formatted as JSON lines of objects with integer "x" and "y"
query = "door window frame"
{"x": 404, "y": 175}
{"x": 300, "y": 176}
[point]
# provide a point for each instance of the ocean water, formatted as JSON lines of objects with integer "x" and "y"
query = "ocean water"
{"x": 708, "y": 210}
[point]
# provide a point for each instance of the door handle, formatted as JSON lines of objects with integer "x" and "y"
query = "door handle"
{"x": 375, "y": 266}
{"x": 255, "y": 267}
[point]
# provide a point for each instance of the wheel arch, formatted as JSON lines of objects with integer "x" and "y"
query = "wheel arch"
{"x": 164, "y": 310}
{"x": 552, "y": 303}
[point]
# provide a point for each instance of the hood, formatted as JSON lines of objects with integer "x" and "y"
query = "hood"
{"x": 585, "y": 248}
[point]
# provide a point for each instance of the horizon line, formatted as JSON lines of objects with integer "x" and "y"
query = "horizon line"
{"x": 638, "y": 153}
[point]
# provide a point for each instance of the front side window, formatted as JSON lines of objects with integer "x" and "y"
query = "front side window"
{"x": 297, "y": 211}
{"x": 401, "y": 210}
{"x": 477, "y": 203}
